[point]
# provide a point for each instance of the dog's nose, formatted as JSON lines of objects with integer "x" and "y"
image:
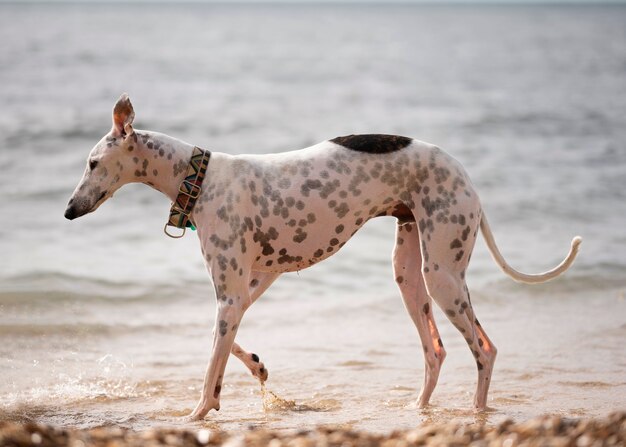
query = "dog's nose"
{"x": 70, "y": 212}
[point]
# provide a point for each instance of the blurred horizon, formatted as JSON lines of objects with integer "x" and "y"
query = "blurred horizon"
{"x": 347, "y": 2}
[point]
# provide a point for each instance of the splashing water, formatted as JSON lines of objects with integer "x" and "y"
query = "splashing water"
{"x": 272, "y": 402}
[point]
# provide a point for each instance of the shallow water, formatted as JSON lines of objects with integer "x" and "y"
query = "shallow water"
{"x": 95, "y": 326}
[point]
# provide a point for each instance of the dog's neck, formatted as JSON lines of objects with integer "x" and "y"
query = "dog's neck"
{"x": 167, "y": 159}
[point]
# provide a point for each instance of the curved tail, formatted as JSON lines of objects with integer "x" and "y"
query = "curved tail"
{"x": 523, "y": 277}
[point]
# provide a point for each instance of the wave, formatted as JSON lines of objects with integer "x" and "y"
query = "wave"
{"x": 79, "y": 389}
{"x": 55, "y": 287}
{"x": 92, "y": 329}
{"x": 542, "y": 123}
{"x": 44, "y": 288}
{"x": 19, "y": 137}
{"x": 44, "y": 193}
{"x": 603, "y": 277}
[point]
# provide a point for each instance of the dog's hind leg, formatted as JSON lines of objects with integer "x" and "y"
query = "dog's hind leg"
{"x": 259, "y": 282}
{"x": 407, "y": 265}
{"x": 445, "y": 251}
{"x": 457, "y": 306}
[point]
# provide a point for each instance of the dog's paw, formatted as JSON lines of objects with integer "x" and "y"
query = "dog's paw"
{"x": 423, "y": 406}
{"x": 262, "y": 373}
{"x": 257, "y": 368}
{"x": 483, "y": 409}
{"x": 189, "y": 418}
{"x": 200, "y": 412}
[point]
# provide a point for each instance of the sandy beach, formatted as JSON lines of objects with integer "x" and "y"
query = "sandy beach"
{"x": 541, "y": 431}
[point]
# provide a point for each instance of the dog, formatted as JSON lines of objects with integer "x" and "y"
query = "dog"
{"x": 258, "y": 216}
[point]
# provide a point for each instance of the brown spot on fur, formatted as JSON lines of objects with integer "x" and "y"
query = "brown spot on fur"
{"x": 223, "y": 327}
{"x": 465, "y": 233}
{"x": 456, "y": 244}
{"x": 300, "y": 235}
{"x": 403, "y": 214}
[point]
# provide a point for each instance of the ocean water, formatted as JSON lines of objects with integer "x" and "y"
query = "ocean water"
{"x": 104, "y": 320}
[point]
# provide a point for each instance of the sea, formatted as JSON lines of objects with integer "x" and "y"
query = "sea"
{"x": 106, "y": 321}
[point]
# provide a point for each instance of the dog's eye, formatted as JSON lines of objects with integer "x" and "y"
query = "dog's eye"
{"x": 93, "y": 164}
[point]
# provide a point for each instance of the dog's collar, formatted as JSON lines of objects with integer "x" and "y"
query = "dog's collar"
{"x": 188, "y": 192}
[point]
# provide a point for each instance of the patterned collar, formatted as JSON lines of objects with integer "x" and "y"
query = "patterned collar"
{"x": 188, "y": 192}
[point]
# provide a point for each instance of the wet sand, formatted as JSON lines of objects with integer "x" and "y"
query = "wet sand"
{"x": 541, "y": 431}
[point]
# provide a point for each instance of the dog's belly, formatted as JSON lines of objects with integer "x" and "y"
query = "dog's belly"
{"x": 316, "y": 234}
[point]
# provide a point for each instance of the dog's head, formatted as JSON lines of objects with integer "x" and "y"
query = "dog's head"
{"x": 106, "y": 171}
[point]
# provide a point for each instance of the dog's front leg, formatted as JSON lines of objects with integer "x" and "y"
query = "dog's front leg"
{"x": 229, "y": 314}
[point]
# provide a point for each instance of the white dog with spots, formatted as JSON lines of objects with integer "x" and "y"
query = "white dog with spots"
{"x": 258, "y": 216}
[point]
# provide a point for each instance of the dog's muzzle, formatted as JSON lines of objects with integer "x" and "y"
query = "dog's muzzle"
{"x": 80, "y": 207}
{"x": 70, "y": 211}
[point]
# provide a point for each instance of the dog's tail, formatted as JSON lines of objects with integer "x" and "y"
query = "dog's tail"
{"x": 523, "y": 277}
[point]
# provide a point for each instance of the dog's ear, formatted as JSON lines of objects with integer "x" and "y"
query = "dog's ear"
{"x": 123, "y": 116}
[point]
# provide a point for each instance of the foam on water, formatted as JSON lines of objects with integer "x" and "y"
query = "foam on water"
{"x": 104, "y": 320}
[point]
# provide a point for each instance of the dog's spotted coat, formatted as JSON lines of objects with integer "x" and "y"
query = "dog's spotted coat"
{"x": 262, "y": 215}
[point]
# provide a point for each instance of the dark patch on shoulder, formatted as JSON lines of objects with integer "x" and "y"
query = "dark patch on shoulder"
{"x": 373, "y": 143}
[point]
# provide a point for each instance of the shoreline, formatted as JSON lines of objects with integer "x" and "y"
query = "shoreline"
{"x": 539, "y": 431}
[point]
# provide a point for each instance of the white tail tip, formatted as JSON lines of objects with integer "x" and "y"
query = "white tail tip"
{"x": 576, "y": 242}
